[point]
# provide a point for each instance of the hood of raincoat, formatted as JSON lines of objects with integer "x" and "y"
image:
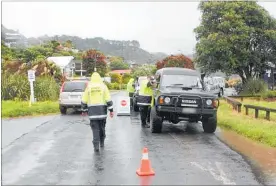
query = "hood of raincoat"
{"x": 131, "y": 80}
{"x": 96, "y": 78}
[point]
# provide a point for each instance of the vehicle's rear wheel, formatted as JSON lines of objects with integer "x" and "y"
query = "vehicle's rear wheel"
{"x": 63, "y": 110}
{"x": 209, "y": 124}
{"x": 156, "y": 122}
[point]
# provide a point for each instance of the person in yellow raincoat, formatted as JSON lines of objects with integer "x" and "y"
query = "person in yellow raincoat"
{"x": 145, "y": 100}
{"x": 96, "y": 99}
{"x": 131, "y": 90}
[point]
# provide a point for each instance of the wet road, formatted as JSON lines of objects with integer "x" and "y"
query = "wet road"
{"x": 60, "y": 152}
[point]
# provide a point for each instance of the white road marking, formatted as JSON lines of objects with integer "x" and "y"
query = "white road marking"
{"x": 220, "y": 177}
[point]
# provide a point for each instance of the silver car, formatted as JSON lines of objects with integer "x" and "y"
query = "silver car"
{"x": 70, "y": 95}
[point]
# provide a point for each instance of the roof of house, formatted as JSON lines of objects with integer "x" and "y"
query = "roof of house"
{"x": 120, "y": 71}
{"x": 61, "y": 61}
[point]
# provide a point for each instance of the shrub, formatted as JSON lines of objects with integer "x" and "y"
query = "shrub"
{"x": 126, "y": 78}
{"x": 109, "y": 85}
{"x": 17, "y": 87}
{"x": 115, "y": 86}
{"x": 269, "y": 94}
{"x": 116, "y": 78}
{"x": 254, "y": 87}
{"x": 46, "y": 83}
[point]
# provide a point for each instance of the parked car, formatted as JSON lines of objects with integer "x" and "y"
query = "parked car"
{"x": 180, "y": 96}
{"x": 215, "y": 85}
{"x": 70, "y": 95}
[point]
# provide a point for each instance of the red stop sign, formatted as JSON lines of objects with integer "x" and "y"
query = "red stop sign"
{"x": 123, "y": 103}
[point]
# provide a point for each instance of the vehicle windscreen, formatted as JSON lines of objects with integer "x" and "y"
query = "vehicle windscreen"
{"x": 77, "y": 86}
{"x": 181, "y": 81}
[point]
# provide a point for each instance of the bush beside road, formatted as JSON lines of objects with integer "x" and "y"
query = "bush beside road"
{"x": 22, "y": 108}
{"x": 259, "y": 130}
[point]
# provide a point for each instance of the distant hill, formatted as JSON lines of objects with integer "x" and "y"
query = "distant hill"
{"x": 129, "y": 50}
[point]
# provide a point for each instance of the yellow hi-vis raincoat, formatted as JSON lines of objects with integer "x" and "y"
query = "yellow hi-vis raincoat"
{"x": 130, "y": 86}
{"x": 145, "y": 94}
{"x": 97, "y": 98}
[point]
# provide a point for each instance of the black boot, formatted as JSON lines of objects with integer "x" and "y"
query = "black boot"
{"x": 145, "y": 125}
{"x": 96, "y": 147}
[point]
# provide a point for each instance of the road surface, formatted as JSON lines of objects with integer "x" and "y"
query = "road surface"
{"x": 60, "y": 152}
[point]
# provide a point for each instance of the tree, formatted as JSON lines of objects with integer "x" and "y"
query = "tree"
{"x": 118, "y": 65}
{"x": 144, "y": 70}
{"x": 93, "y": 58}
{"x": 68, "y": 44}
{"x": 175, "y": 61}
{"x": 7, "y": 53}
{"x": 235, "y": 37}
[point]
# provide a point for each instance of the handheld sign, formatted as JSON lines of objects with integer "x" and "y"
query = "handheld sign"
{"x": 123, "y": 106}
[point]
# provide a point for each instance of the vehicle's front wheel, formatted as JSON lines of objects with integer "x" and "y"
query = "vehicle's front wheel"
{"x": 63, "y": 110}
{"x": 156, "y": 122}
{"x": 209, "y": 124}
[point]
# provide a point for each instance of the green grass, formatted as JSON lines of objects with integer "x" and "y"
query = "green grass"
{"x": 19, "y": 108}
{"x": 261, "y": 104}
{"x": 259, "y": 130}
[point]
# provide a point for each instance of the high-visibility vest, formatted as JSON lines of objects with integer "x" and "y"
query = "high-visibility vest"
{"x": 145, "y": 95}
{"x": 130, "y": 87}
{"x": 97, "y": 98}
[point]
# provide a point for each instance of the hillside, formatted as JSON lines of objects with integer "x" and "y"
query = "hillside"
{"x": 130, "y": 50}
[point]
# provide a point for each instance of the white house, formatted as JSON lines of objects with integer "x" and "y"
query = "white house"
{"x": 65, "y": 63}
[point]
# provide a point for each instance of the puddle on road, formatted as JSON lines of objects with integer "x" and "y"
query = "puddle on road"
{"x": 264, "y": 156}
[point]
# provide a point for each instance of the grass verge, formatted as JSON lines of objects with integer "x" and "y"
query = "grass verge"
{"x": 19, "y": 108}
{"x": 261, "y": 104}
{"x": 259, "y": 130}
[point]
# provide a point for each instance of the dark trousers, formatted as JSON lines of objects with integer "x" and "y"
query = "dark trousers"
{"x": 98, "y": 130}
{"x": 145, "y": 114}
{"x": 130, "y": 94}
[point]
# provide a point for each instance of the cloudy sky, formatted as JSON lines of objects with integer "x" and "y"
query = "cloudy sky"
{"x": 158, "y": 26}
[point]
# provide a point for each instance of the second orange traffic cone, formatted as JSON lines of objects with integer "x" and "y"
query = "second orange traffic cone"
{"x": 145, "y": 167}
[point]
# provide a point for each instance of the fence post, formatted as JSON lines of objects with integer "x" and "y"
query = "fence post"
{"x": 256, "y": 113}
{"x": 267, "y": 116}
{"x": 246, "y": 110}
{"x": 239, "y": 108}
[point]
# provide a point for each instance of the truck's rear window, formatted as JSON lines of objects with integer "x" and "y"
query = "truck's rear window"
{"x": 74, "y": 86}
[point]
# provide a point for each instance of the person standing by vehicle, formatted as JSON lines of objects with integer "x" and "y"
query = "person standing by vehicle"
{"x": 96, "y": 99}
{"x": 145, "y": 100}
{"x": 131, "y": 90}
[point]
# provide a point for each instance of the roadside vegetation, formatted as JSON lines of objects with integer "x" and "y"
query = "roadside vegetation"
{"x": 259, "y": 130}
{"x": 12, "y": 109}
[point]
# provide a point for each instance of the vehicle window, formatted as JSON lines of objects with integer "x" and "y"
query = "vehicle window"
{"x": 77, "y": 86}
{"x": 181, "y": 80}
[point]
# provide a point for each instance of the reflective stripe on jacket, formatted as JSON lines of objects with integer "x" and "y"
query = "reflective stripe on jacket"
{"x": 97, "y": 98}
{"x": 145, "y": 95}
{"x": 130, "y": 86}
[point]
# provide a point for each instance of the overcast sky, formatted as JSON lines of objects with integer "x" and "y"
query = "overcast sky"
{"x": 158, "y": 26}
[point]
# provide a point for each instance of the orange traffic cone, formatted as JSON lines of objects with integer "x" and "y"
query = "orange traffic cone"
{"x": 145, "y": 167}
